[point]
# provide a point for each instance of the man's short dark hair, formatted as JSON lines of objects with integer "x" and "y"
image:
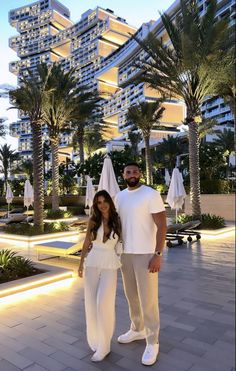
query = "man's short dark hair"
{"x": 132, "y": 164}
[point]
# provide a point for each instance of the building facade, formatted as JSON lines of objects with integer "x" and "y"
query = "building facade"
{"x": 101, "y": 49}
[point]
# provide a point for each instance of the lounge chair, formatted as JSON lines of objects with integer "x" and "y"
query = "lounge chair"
{"x": 17, "y": 218}
{"x": 177, "y": 232}
{"x": 17, "y": 210}
{"x": 60, "y": 248}
{"x": 80, "y": 225}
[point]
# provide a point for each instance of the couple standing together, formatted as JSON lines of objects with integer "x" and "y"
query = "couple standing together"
{"x": 141, "y": 212}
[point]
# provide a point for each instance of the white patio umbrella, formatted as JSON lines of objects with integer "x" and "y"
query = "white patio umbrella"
{"x": 90, "y": 192}
{"x": 9, "y": 198}
{"x": 176, "y": 192}
{"x": 108, "y": 179}
{"x": 167, "y": 177}
{"x": 28, "y": 195}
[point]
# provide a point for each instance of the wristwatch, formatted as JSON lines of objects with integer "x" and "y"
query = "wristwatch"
{"x": 158, "y": 253}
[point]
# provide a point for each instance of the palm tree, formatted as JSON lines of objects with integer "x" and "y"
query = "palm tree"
{"x": 61, "y": 108}
{"x": 186, "y": 69}
{"x": 2, "y": 127}
{"x": 87, "y": 117}
{"x": 168, "y": 150}
{"x": 7, "y": 156}
{"x": 225, "y": 140}
{"x": 27, "y": 168}
{"x": 146, "y": 116}
{"x": 29, "y": 98}
{"x": 57, "y": 111}
{"x": 93, "y": 139}
{"x": 134, "y": 137}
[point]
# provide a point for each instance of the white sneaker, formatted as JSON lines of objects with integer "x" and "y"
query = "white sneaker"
{"x": 130, "y": 336}
{"x": 150, "y": 354}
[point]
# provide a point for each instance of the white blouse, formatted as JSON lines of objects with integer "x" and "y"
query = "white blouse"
{"x": 103, "y": 254}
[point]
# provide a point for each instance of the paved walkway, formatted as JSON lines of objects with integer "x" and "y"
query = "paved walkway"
{"x": 47, "y": 332}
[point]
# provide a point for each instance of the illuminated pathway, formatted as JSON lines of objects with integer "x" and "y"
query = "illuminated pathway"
{"x": 47, "y": 332}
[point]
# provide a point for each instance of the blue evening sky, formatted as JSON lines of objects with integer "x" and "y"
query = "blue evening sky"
{"x": 135, "y": 12}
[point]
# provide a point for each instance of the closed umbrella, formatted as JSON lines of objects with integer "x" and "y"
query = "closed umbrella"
{"x": 9, "y": 198}
{"x": 167, "y": 177}
{"x": 176, "y": 193}
{"x": 108, "y": 179}
{"x": 90, "y": 192}
{"x": 28, "y": 195}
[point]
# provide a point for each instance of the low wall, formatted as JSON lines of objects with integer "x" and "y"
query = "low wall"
{"x": 219, "y": 204}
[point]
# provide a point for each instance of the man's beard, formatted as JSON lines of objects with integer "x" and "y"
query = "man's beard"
{"x": 133, "y": 182}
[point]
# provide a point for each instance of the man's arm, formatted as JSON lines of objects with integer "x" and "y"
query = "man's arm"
{"x": 160, "y": 221}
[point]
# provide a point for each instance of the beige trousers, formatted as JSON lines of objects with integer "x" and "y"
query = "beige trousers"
{"x": 99, "y": 294}
{"x": 141, "y": 290}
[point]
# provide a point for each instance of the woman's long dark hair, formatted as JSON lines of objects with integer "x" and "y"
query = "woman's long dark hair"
{"x": 96, "y": 218}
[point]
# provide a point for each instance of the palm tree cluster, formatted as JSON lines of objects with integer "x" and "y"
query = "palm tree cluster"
{"x": 187, "y": 69}
{"x": 7, "y": 157}
{"x": 146, "y": 116}
{"x": 197, "y": 62}
{"x": 50, "y": 96}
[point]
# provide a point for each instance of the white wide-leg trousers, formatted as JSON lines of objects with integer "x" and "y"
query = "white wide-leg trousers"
{"x": 100, "y": 292}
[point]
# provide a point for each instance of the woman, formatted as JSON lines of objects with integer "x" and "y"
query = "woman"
{"x": 101, "y": 265}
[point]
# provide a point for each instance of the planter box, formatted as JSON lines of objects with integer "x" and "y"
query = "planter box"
{"x": 52, "y": 274}
{"x": 219, "y": 204}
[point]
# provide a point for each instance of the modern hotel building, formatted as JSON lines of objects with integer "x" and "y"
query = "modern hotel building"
{"x": 101, "y": 48}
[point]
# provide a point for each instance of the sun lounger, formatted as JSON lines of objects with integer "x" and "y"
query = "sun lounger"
{"x": 80, "y": 225}
{"x": 17, "y": 210}
{"x": 17, "y": 218}
{"x": 177, "y": 232}
{"x": 60, "y": 248}
{"x": 189, "y": 230}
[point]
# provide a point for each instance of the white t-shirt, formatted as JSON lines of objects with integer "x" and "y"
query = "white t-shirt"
{"x": 138, "y": 228}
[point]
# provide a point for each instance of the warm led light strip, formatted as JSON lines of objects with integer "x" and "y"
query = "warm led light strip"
{"x": 35, "y": 284}
{"x": 219, "y": 235}
{"x": 38, "y": 238}
{"x": 64, "y": 283}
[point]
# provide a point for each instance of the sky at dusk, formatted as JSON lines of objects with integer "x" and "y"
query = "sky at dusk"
{"x": 135, "y": 12}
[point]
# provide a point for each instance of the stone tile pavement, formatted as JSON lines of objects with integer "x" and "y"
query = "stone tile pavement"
{"x": 47, "y": 331}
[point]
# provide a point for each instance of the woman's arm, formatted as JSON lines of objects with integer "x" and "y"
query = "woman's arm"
{"x": 86, "y": 244}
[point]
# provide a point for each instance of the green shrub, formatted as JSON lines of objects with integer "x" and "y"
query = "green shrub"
{"x": 209, "y": 221}
{"x": 162, "y": 188}
{"x": 215, "y": 186}
{"x": 57, "y": 214}
{"x": 31, "y": 230}
{"x": 13, "y": 266}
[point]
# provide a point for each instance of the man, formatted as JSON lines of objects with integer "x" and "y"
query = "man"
{"x": 143, "y": 220}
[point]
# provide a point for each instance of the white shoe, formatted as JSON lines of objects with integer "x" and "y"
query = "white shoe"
{"x": 130, "y": 336}
{"x": 150, "y": 354}
{"x": 98, "y": 356}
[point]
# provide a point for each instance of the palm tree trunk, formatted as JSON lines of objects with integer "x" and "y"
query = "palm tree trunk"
{"x": 38, "y": 175}
{"x": 194, "y": 169}
{"x": 6, "y": 175}
{"x": 81, "y": 148}
{"x": 148, "y": 160}
{"x": 55, "y": 173}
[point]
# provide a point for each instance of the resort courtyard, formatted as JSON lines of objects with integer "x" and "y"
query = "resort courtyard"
{"x": 47, "y": 331}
